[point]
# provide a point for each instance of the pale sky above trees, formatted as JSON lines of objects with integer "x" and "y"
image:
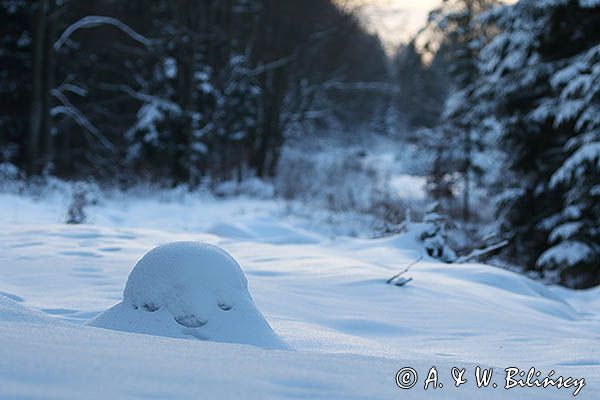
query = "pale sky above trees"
{"x": 395, "y": 21}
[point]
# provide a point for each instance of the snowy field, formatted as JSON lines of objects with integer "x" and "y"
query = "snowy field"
{"x": 326, "y": 297}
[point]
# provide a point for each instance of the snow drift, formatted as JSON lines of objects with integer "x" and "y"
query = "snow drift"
{"x": 190, "y": 290}
{"x": 12, "y": 311}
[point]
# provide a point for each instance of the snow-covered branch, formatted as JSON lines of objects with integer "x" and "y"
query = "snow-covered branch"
{"x": 68, "y": 109}
{"x": 141, "y": 96}
{"x": 261, "y": 69}
{"x": 478, "y": 253}
{"x": 92, "y": 21}
{"x": 70, "y": 87}
{"x": 363, "y": 86}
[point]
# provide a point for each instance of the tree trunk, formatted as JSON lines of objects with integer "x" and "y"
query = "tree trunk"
{"x": 37, "y": 93}
{"x": 183, "y": 15}
{"x": 46, "y": 139}
{"x": 467, "y": 189}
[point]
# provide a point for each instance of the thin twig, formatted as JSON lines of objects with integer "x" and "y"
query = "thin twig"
{"x": 409, "y": 266}
{"x": 404, "y": 282}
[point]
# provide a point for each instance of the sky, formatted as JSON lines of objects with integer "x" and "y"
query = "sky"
{"x": 396, "y": 21}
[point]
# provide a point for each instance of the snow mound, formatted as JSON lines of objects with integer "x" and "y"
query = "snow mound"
{"x": 190, "y": 289}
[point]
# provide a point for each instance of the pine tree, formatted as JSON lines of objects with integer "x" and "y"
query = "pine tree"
{"x": 234, "y": 119}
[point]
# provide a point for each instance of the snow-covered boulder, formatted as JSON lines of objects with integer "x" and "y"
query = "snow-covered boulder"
{"x": 190, "y": 290}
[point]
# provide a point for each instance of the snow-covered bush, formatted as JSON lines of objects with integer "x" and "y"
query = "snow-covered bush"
{"x": 436, "y": 234}
{"x": 339, "y": 180}
{"x": 11, "y": 178}
{"x": 253, "y": 187}
{"x": 190, "y": 290}
{"x": 83, "y": 195}
{"x": 76, "y": 212}
{"x": 391, "y": 212}
{"x": 348, "y": 181}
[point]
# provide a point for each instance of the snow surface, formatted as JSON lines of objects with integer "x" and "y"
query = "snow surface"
{"x": 325, "y": 297}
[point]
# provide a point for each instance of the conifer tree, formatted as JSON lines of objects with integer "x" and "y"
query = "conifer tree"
{"x": 458, "y": 37}
{"x": 540, "y": 74}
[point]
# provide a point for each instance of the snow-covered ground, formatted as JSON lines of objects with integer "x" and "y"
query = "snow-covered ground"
{"x": 325, "y": 296}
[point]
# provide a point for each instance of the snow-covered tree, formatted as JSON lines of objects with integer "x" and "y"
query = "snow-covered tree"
{"x": 457, "y": 35}
{"x": 575, "y": 229}
{"x": 540, "y": 75}
{"x": 235, "y": 118}
{"x": 422, "y": 87}
{"x": 436, "y": 232}
{"x": 176, "y": 91}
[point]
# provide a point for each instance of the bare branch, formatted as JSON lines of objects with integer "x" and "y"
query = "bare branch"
{"x": 408, "y": 267}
